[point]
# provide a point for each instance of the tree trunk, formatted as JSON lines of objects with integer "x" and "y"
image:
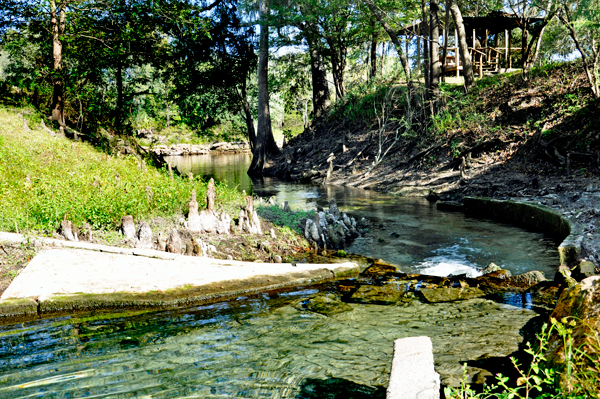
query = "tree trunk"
{"x": 531, "y": 42}
{"x": 57, "y": 23}
{"x": 590, "y": 63}
{"x": 392, "y": 34}
{"x": 338, "y": 65}
{"x": 120, "y": 102}
{"x": 434, "y": 7}
{"x": 374, "y": 43}
{"x": 465, "y": 57}
{"x": 265, "y": 143}
{"x": 247, "y": 115}
{"x": 426, "y": 47}
{"x": 320, "y": 88}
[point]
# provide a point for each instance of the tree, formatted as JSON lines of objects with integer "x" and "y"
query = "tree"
{"x": 265, "y": 143}
{"x": 465, "y": 56}
{"x": 582, "y": 22}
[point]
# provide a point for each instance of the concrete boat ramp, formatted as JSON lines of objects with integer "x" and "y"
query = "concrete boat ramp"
{"x": 66, "y": 277}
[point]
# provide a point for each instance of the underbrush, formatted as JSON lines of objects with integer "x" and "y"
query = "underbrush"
{"x": 578, "y": 377}
{"x": 45, "y": 179}
{"x": 280, "y": 217}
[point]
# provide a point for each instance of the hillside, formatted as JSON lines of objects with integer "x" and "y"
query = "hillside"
{"x": 505, "y": 138}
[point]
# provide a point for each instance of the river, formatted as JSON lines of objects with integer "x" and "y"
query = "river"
{"x": 268, "y": 346}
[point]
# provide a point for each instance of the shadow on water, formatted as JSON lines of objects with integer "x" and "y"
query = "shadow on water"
{"x": 338, "y": 388}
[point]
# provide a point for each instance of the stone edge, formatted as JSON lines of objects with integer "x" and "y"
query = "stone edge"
{"x": 25, "y": 309}
{"x": 530, "y": 215}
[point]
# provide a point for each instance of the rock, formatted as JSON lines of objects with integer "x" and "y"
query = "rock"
{"x": 563, "y": 277}
{"x": 380, "y": 268}
{"x": 144, "y": 235}
{"x": 277, "y": 259}
{"x": 128, "y": 227}
{"x": 85, "y": 233}
{"x": 447, "y": 294}
{"x": 382, "y": 295}
{"x": 66, "y": 229}
{"x": 160, "y": 243}
{"x": 174, "y": 244}
{"x": 528, "y": 279}
{"x": 286, "y": 207}
{"x": 328, "y": 305}
{"x": 580, "y": 304}
{"x": 545, "y": 293}
{"x": 501, "y": 274}
{"x": 583, "y": 270}
{"x": 492, "y": 267}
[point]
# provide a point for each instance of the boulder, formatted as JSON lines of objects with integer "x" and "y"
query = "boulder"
{"x": 583, "y": 270}
{"x": 492, "y": 267}
{"x": 526, "y": 280}
{"x": 381, "y": 295}
{"x": 578, "y": 307}
{"x": 328, "y": 304}
{"x": 448, "y": 294}
{"x": 563, "y": 277}
{"x": 380, "y": 268}
{"x": 128, "y": 227}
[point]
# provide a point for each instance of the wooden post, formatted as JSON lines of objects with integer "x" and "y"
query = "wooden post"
{"x": 509, "y": 49}
{"x": 505, "y": 50}
{"x": 457, "y": 56}
{"x": 418, "y": 54}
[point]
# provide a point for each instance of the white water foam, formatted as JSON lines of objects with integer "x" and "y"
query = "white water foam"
{"x": 444, "y": 268}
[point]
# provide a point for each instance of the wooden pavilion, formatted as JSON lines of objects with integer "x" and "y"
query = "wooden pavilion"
{"x": 490, "y": 39}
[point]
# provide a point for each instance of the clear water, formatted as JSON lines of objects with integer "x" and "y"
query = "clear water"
{"x": 264, "y": 347}
{"x": 409, "y": 232}
{"x": 268, "y": 346}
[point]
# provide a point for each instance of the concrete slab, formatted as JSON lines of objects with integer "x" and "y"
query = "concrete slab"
{"x": 72, "y": 279}
{"x": 413, "y": 375}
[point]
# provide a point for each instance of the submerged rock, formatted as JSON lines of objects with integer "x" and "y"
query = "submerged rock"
{"x": 385, "y": 294}
{"x": 448, "y": 294}
{"x": 328, "y": 304}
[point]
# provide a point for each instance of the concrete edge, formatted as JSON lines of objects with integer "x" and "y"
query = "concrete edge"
{"x": 24, "y": 309}
{"x": 530, "y": 215}
{"x": 413, "y": 373}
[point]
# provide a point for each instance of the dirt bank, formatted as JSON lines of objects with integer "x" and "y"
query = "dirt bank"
{"x": 537, "y": 140}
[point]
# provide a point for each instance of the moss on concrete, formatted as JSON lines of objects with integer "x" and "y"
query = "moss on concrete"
{"x": 21, "y": 309}
{"x": 187, "y": 295}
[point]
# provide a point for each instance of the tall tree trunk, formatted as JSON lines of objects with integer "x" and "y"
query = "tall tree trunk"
{"x": 434, "y": 8}
{"x": 320, "y": 88}
{"x": 120, "y": 102}
{"x": 374, "y": 43}
{"x": 589, "y": 61}
{"x": 57, "y": 23}
{"x": 426, "y": 47}
{"x": 531, "y": 41}
{"x": 247, "y": 115}
{"x": 392, "y": 34}
{"x": 465, "y": 57}
{"x": 265, "y": 143}
{"x": 338, "y": 65}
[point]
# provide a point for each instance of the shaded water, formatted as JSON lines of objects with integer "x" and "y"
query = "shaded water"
{"x": 268, "y": 346}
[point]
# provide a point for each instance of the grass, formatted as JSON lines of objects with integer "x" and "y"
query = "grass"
{"x": 279, "y": 217}
{"x": 45, "y": 179}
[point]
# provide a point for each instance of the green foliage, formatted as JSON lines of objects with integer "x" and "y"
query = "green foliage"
{"x": 44, "y": 180}
{"x": 578, "y": 377}
{"x": 280, "y": 217}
